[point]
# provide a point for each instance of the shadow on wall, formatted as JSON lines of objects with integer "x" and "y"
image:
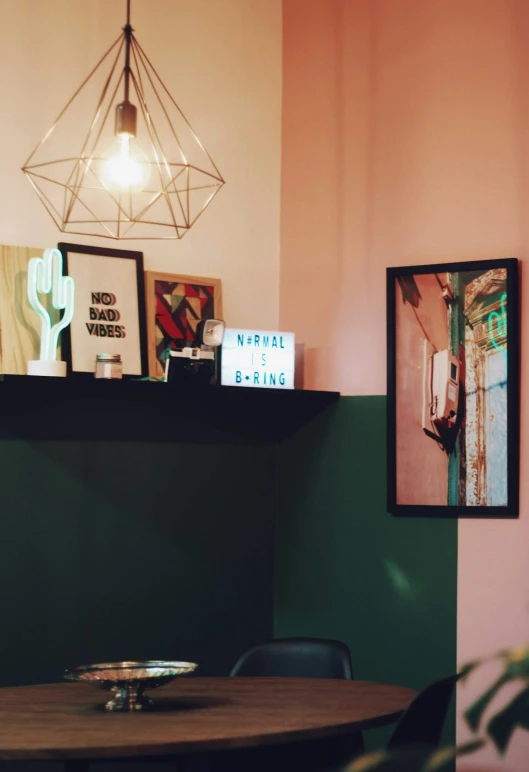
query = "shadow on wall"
{"x": 121, "y": 551}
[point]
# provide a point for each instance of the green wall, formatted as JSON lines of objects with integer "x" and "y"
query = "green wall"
{"x": 118, "y": 550}
{"x": 115, "y": 550}
{"x": 346, "y": 569}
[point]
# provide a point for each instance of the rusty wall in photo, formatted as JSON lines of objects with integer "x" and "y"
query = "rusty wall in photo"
{"x": 485, "y": 431}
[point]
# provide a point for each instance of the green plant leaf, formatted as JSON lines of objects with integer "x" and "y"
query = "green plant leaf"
{"x": 502, "y": 726}
{"x": 413, "y": 759}
{"x": 367, "y": 761}
{"x": 471, "y": 747}
{"x": 517, "y": 662}
{"x": 468, "y": 668}
{"x": 444, "y": 756}
{"x": 517, "y": 657}
{"x": 474, "y": 713}
{"x": 407, "y": 760}
{"x": 524, "y": 718}
{"x": 440, "y": 758}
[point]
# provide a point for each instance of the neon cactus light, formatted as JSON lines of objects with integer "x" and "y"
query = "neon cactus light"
{"x": 501, "y": 324}
{"x": 45, "y": 276}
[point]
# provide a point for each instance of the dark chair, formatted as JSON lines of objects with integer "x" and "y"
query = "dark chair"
{"x": 299, "y": 658}
{"x": 296, "y": 658}
{"x": 422, "y": 722}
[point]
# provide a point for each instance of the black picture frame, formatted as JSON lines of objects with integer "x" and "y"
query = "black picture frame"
{"x": 467, "y": 484}
{"x": 66, "y": 341}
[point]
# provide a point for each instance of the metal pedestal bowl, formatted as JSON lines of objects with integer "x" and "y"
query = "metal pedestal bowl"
{"x": 129, "y": 680}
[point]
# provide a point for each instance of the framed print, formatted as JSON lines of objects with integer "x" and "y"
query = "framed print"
{"x": 175, "y": 305}
{"x": 109, "y": 314}
{"x": 453, "y": 389}
{"x": 19, "y": 324}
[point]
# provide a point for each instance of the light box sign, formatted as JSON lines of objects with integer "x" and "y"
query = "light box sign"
{"x": 258, "y": 359}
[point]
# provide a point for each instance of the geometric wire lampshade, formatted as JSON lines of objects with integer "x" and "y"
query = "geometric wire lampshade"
{"x": 112, "y": 169}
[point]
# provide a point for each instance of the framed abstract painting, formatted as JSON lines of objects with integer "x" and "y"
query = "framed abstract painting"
{"x": 453, "y": 389}
{"x": 175, "y": 305}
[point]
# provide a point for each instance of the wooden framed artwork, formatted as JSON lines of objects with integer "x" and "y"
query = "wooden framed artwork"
{"x": 453, "y": 389}
{"x": 175, "y": 305}
{"x": 109, "y": 314}
{"x": 19, "y": 324}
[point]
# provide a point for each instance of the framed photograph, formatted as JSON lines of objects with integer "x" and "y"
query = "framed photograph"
{"x": 453, "y": 389}
{"x": 175, "y": 305}
{"x": 109, "y": 314}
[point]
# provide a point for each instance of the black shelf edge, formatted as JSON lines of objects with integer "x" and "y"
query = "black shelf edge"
{"x": 40, "y": 408}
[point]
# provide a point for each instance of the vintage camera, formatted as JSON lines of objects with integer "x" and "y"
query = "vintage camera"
{"x": 199, "y": 364}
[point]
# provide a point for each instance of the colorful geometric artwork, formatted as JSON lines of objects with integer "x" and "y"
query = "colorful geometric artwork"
{"x": 175, "y": 306}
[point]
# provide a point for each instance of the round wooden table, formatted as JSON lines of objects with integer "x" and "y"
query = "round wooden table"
{"x": 191, "y": 715}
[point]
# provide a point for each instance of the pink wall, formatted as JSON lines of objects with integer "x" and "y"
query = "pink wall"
{"x": 406, "y": 140}
{"x": 221, "y": 61}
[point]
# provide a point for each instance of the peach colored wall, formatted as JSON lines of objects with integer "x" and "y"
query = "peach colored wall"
{"x": 406, "y": 140}
{"x": 221, "y": 59}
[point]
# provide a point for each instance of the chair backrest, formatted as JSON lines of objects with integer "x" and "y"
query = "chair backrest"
{"x": 296, "y": 658}
{"x": 423, "y": 721}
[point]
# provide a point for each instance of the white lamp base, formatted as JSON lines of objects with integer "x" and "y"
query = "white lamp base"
{"x": 51, "y": 369}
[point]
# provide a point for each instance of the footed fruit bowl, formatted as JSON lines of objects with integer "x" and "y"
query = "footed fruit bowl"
{"x": 129, "y": 680}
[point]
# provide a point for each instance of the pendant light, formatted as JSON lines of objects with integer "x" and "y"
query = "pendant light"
{"x": 121, "y": 161}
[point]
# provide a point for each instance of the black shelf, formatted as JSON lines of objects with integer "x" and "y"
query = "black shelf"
{"x": 38, "y": 408}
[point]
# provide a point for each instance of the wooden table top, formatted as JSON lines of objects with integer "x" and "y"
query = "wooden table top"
{"x": 67, "y": 721}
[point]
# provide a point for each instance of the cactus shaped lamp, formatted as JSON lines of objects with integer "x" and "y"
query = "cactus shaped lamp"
{"x": 45, "y": 277}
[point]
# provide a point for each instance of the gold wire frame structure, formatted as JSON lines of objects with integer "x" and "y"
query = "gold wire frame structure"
{"x": 70, "y": 181}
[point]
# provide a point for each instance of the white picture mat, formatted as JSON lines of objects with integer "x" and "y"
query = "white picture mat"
{"x": 117, "y": 276}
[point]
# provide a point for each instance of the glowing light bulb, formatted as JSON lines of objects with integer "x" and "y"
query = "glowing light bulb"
{"x": 126, "y": 168}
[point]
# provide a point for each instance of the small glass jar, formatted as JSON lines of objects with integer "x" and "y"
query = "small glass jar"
{"x": 109, "y": 366}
